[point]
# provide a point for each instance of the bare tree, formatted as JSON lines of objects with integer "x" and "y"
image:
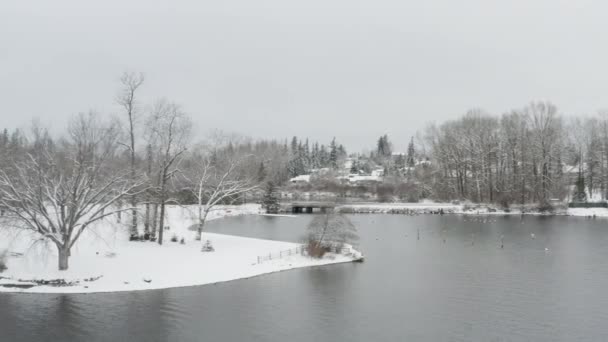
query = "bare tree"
{"x": 60, "y": 190}
{"x": 215, "y": 183}
{"x": 126, "y": 99}
{"x": 329, "y": 229}
{"x": 169, "y": 131}
{"x": 545, "y": 127}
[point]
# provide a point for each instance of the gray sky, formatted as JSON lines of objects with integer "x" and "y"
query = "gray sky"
{"x": 318, "y": 68}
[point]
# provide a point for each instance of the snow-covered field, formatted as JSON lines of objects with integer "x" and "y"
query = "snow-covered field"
{"x": 113, "y": 264}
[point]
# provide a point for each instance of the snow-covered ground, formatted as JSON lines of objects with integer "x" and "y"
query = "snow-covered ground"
{"x": 114, "y": 264}
{"x": 588, "y": 212}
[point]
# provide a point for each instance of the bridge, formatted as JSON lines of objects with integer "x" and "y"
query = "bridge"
{"x": 309, "y": 207}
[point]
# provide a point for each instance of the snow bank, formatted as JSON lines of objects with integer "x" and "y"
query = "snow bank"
{"x": 104, "y": 261}
{"x": 400, "y": 208}
{"x": 588, "y": 212}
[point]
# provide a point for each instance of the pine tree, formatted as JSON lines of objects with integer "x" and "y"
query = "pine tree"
{"x": 315, "y": 162}
{"x": 294, "y": 145}
{"x": 341, "y": 151}
{"x": 270, "y": 201}
{"x": 306, "y": 157}
{"x": 301, "y": 159}
{"x": 261, "y": 172}
{"x": 384, "y": 149}
{"x": 333, "y": 154}
{"x": 4, "y": 138}
{"x": 580, "y": 195}
{"x": 323, "y": 157}
{"x": 400, "y": 161}
{"x": 411, "y": 161}
{"x": 354, "y": 168}
{"x": 380, "y": 147}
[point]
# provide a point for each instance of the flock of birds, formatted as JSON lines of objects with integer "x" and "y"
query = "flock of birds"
{"x": 479, "y": 220}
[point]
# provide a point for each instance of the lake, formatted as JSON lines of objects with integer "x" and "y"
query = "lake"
{"x": 454, "y": 283}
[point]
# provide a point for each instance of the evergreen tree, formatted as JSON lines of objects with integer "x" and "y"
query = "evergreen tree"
{"x": 315, "y": 162}
{"x": 354, "y": 168}
{"x": 380, "y": 147}
{"x": 306, "y": 156}
{"x": 384, "y": 148}
{"x": 400, "y": 161}
{"x": 411, "y": 161}
{"x": 4, "y": 138}
{"x": 261, "y": 172}
{"x": 341, "y": 151}
{"x": 323, "y": 157}
{"x": 294, "y": 146}
{"x": 301, "y": 159}
{"x": 270, "y": 201}
{"x": 333, "y": 154}
{"x": 580, "y": 195}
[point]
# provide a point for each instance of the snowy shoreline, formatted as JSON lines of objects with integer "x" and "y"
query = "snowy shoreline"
{"x": 425, "y": 208}
{"x": 105, "y": 261}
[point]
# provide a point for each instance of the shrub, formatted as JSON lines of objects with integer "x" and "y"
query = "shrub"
{"x": 545, "y": 207}
{"x": 3, "y": 256}
{"x": 315, "y": 249}
{"x": 207, "y": 247}
{"x": 385, "y": 192}
{"x": 174, "y": 238}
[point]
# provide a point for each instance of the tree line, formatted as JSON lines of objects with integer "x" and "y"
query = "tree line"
{"x": 528, "y": 155}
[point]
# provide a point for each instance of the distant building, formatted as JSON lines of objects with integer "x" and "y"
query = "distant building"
{"x": 377, "y": 173}
{"x": 301, "y": 179}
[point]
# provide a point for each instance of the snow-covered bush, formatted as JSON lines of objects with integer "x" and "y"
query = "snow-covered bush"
{"x": 3, "y": 256}
{"x": 174, "y": 238}
{"x": 207, "y": 247}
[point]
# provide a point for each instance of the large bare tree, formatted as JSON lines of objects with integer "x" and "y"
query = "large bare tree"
{"x": 169, "y": 133}
{"x": 126, "y": 98}
{"x": 58, "y": 190}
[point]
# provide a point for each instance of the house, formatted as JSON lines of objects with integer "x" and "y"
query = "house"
{"x": 377, "y": 173}
{"x": 301, "y": 179}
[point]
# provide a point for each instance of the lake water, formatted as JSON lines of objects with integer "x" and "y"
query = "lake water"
{"x": 455, "y": 283}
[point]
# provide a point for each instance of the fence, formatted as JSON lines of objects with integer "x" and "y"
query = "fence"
{"x": 301, "y": 249}
{"x": 281, "y": 254}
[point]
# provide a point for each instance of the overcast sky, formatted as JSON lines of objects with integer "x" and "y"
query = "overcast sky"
{"x": 318, "y": 68}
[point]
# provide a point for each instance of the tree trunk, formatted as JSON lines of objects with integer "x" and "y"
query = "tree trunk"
{"x": 153, "y": 220}
{"x": 134, "y": 220}
{"x": 64, "y": 255}
{"x": 161, "y": 221}
{"x": 201, "y": 222}
{"x": 147, "y": 218}
{"x": 133, "y": 197}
